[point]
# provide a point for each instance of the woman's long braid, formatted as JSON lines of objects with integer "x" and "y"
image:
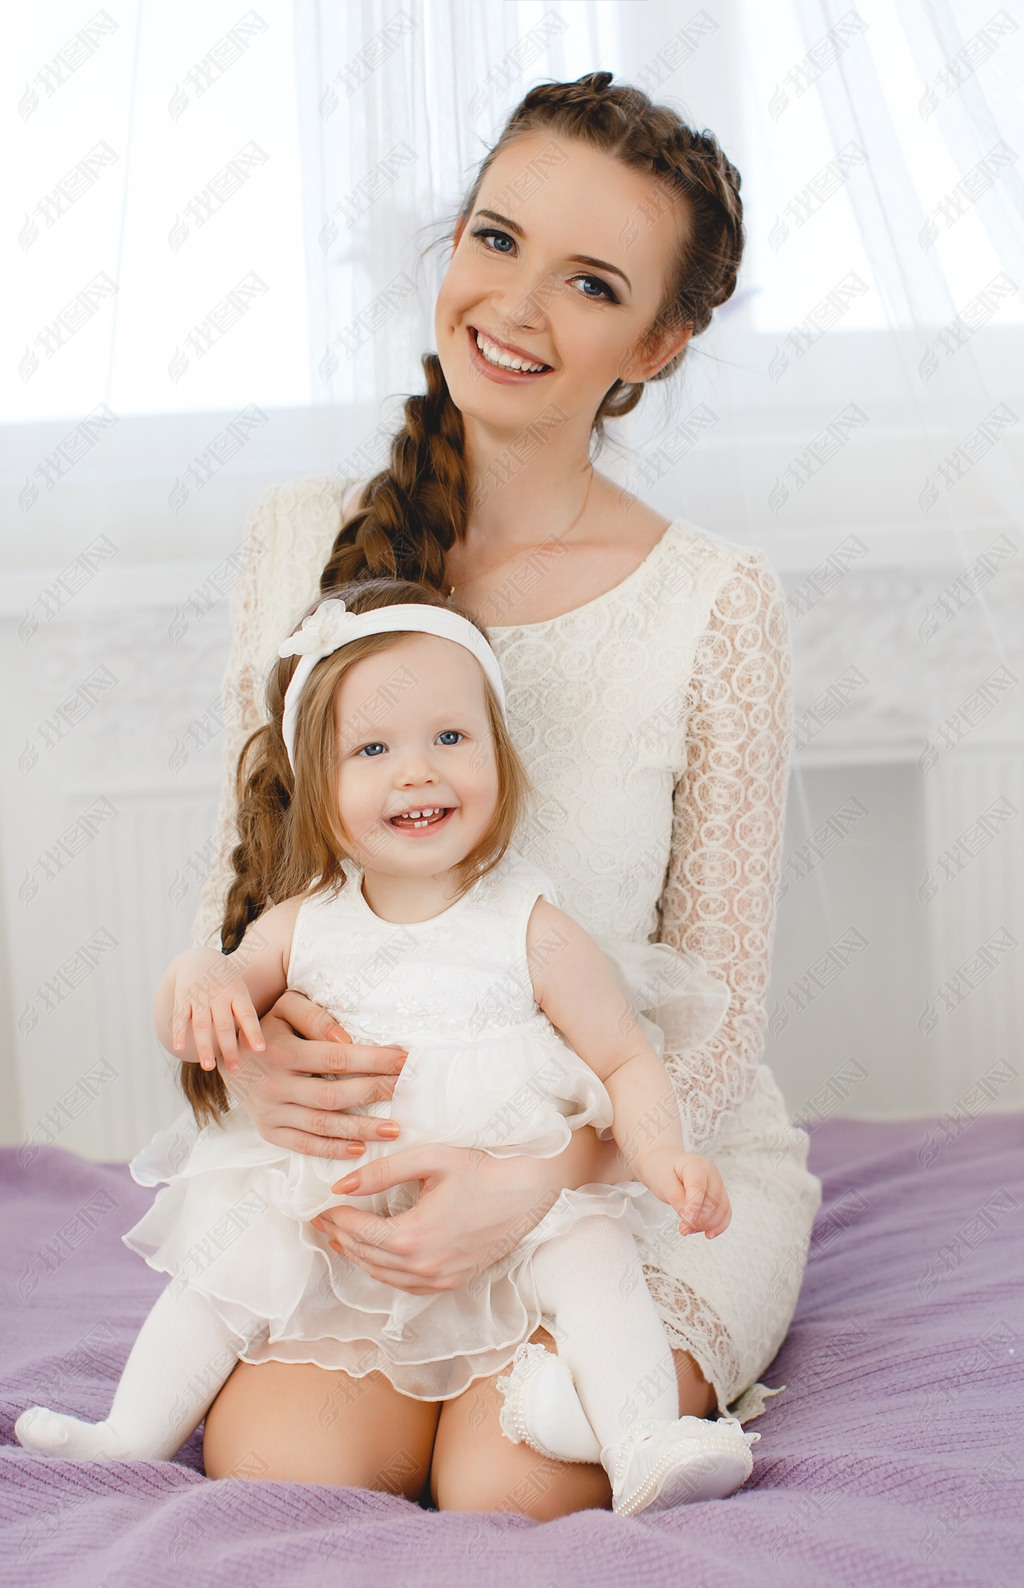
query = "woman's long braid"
{"x": 416, "y": 508}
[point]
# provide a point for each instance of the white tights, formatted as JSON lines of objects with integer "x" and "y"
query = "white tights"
{"x": 589, "y": 1282}
{"x": 182, "y": 1357}
{"x": 607, "y": 1328}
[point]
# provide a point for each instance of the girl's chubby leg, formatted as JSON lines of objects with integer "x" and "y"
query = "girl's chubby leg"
{"x": 300, "y": 1423}
{"x": 475, "y": 1468}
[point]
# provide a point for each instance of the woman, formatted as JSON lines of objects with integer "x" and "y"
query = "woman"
{"x": 646, "y": 669}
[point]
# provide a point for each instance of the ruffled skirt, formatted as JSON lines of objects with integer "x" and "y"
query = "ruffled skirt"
{"x": 233, "y": 1221}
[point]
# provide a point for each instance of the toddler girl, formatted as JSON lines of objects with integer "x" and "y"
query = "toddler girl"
{"x": 404, "y": 910}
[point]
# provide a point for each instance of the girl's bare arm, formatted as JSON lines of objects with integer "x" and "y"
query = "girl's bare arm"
{"x": 574, "y": 985}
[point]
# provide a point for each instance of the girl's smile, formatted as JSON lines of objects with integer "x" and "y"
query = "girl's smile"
{"x": 423, "y": 823}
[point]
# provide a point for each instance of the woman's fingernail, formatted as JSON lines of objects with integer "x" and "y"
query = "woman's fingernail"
{"x": 388, "y": 1132}
{"x": 347, "y": 1184}
{"x": 355, "y": 1149}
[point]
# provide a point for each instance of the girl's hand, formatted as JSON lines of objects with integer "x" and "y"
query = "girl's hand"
{"x": 473, "y": 1209}
{"x": 689, "y": 1184}
{"x": 297, "y": 1091}
{"x": 211, "y": 997}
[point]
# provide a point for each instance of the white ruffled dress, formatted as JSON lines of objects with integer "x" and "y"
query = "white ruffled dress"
{"x": 486, "y": 1069}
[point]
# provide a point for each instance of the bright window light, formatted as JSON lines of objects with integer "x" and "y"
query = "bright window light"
{"x": 157, "y": 256}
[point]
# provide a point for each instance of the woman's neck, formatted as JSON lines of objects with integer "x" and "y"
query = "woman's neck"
{"x": 524, "y": 487}
{"x": 406, "y": 900}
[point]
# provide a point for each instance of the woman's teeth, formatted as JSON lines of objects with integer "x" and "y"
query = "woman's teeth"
{"x": 495, "y": 355}
{"x": 420, "y": 818}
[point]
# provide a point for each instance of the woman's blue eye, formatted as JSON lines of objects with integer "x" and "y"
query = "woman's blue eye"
{"x": 370, "y": 749}
{"x": 450, "y": 736}
{"x": 606, "y": 292}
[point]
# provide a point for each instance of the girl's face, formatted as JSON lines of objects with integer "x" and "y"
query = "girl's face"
{"x": 414, "y": 736}
{"x": 519, "y": 276}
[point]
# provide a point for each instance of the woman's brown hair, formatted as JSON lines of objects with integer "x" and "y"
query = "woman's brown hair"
{"x": 291, "y": 840}
{"x": 415, "y": 509}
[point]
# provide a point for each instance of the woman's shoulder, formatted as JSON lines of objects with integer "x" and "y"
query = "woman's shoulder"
{"x": 687, "y": 574}
{"x": 686, "y": 540}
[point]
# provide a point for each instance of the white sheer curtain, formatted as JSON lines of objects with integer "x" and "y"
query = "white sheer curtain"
{"x": 220, "y": 219}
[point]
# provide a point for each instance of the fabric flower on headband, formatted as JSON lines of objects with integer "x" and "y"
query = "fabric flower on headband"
{"x": 329, "y": 627}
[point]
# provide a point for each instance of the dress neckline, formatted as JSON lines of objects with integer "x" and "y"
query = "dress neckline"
{"x": 365, "y": 908}
{"x": 606, "y": 595}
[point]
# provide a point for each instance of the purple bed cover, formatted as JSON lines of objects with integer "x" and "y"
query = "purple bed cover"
{"x": 893, "y": 1457}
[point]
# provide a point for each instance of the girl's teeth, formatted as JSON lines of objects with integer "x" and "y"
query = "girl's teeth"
{"x": 494, "y": 355}
{"x": 420, "y": 818}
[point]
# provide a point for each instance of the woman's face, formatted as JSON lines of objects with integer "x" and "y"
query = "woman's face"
{"x": 569, "y": 266}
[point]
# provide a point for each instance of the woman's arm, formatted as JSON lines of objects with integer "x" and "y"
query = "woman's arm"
{"x": 729, "y": 804}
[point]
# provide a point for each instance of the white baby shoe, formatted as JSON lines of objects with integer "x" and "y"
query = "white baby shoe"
{"x": 542, "y": 1408}
{"x": 663, "y": 1464}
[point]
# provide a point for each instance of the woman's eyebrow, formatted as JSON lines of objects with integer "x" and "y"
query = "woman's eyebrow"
{"x": 576, "y": 259}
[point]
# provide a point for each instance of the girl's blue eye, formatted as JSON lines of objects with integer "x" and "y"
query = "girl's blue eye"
{"x": 370, "y": 749}
{"x": 450, "y": 736}
{"x": 606, "y": 292}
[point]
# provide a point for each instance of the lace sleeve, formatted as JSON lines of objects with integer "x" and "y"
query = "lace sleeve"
{"x": 288, "y": 536}
{"x": 728, "y": 808}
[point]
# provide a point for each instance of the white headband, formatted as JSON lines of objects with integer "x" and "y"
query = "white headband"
{"x": 331, "y": 626}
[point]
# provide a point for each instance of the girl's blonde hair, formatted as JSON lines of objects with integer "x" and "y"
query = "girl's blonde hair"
{"x": 412, "y": 512}
{"x": 290, "y": 836}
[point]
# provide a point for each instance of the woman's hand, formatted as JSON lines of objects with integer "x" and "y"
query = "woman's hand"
{"x": 472, "y": 1210}
{"x": 297, "y": 1089}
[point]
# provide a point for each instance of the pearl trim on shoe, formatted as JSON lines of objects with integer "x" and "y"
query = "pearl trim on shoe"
{"x": 698, "y": 1460}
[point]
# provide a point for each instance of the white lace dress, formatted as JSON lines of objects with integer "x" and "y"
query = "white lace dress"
{"x": 654, "y": 722}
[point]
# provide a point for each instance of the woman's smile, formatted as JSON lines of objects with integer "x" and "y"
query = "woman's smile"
{"x": 484, "y": 354}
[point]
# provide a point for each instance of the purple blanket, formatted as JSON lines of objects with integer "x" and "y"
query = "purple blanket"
{"x": 892, "y": 1459}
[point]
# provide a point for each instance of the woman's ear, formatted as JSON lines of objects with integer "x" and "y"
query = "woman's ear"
{"x": 659, "y": 352}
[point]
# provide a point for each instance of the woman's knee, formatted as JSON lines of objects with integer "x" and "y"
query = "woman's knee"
{"x": 295, "y": 1422}
{"x": 537, "y": 1487}
{"x": 477, "y": 1468}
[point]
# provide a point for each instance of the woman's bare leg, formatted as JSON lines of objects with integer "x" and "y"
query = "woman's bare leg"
{"x": 475, "y": 1468}
{"x": 296, "y": 1422}
{"x": 697, "y": 1397}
